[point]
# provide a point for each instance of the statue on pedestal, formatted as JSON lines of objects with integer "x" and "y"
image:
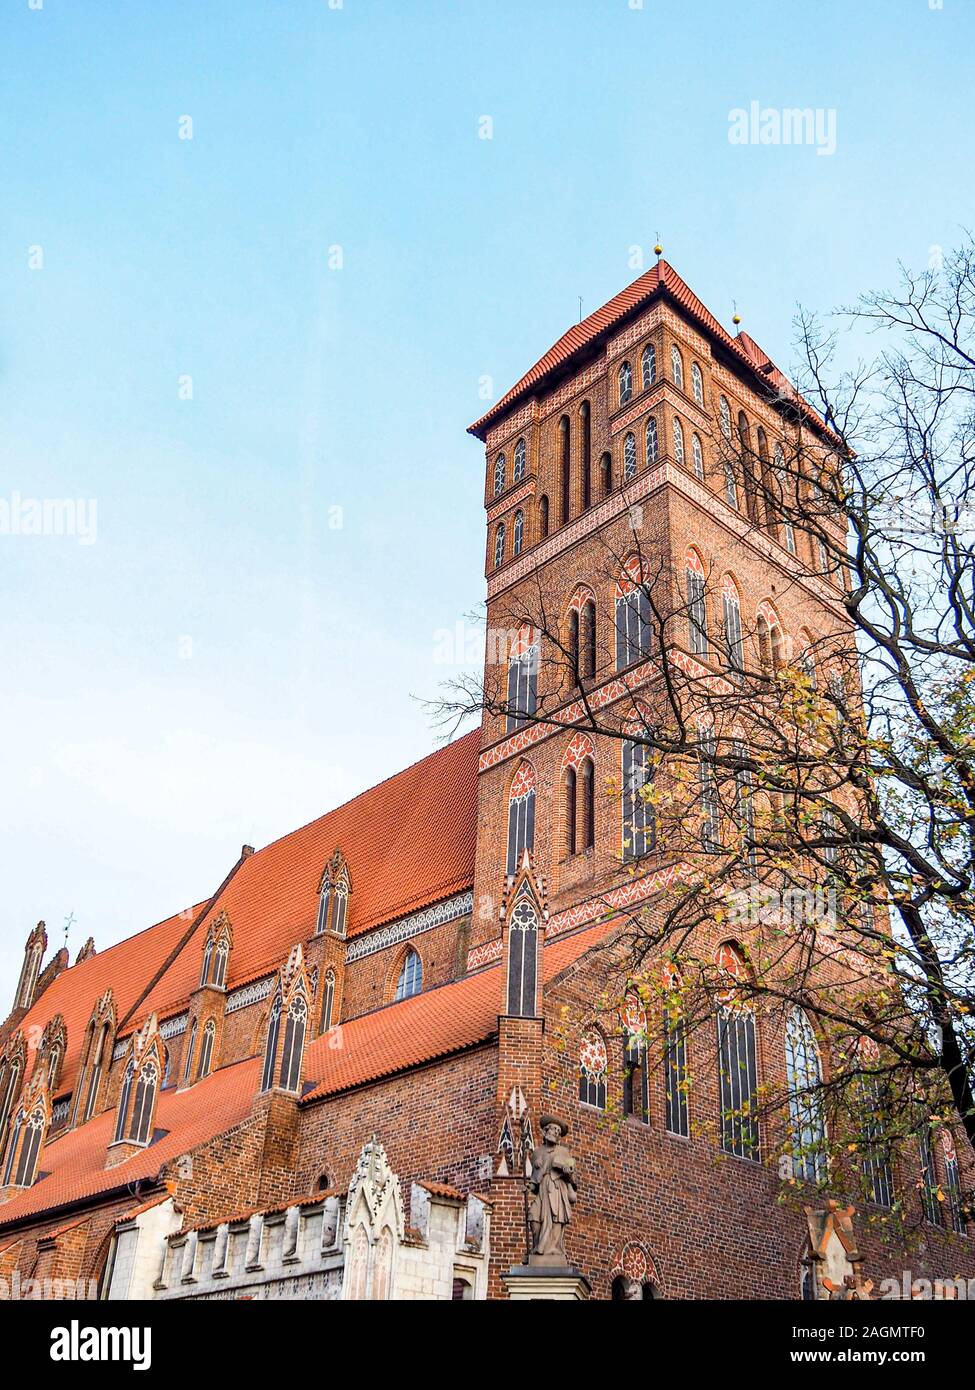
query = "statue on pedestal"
{"x": 551, "y": 1195}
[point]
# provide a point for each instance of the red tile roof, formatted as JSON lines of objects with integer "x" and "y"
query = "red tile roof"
{"x": 408, "y": 843}
{"x": 393, "y": 1039}
{"x": 580, "y": 340}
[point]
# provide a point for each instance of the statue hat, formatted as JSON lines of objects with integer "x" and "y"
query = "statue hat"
{"x": 545, "y": 1120}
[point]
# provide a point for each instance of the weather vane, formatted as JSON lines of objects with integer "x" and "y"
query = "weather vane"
{"x": 735, "y": 317}
{"x": 68, "y": 923}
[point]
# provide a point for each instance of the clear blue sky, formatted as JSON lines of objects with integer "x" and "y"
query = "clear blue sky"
{"x": 135, "y": 763}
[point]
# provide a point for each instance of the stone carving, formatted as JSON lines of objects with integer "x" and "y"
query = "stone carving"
{"x": 552, "y": 1194}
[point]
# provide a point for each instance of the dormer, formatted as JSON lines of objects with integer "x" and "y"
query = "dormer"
{"x": 96, "y": 1059}
{"x": 334, "y": 892}
{"x": 284, "y": 1046}
{"x": 141, "y": 1082}
{"x": 31, "y": 968}
{"x": 216, "y": 953}
{"x": 27, "y": 1135}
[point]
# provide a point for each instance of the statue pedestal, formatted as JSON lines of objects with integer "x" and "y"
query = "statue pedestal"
{"x": 566, "y": 1284}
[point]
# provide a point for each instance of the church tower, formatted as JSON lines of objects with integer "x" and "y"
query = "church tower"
{"x": 623, "y": 463}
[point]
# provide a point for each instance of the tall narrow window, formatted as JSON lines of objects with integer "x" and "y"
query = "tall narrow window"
{"x": 929, "y": 1175}
{"x": 96, "y": 1074}
{"x": 636, "y": 1082}
{"x": 520, "y": 458}
{"x": 632, "y": 623}
{"x": 571, "y": 796}
{"x": 725, "y": 412}
{"x": 190, "y": 1048}
{"x": 30, "y": 1148}
{"x": 521, "y": 816}
{"x": 587, "y": 804}
{"x": 206, "y": 1050}
{"x": 522, "y": 960}
{"x": 410, "y": 980}
{"x": 638, "y": 815}
{"x": 9, "y": 1081}
{"x": 220, "y": 957}
{"x": 294, "y": 1044}
{"x": 956, "y": 1213}
{"x": 499, "y": 474}
{"x": 518, "y": 533}
{"x": 12, "y": 1147}
{"x": 629, "y": 457}
{"x": 678, "y": 442}
{"x": 587, "y": 653}
{"x": 593, "y": 1064}
{"x": 697, "y": 455}
{"x": 574, "y": 644}
{"x": 542, "y": 517}
{"x": 697, "y": 618}
{"x": 697, "y": 384}
{"x": 271, "y": 1044}
{"x": 340, "y": 906}
{"x": 738, "y": 1070}
{"x": 522, "y": 686}
{"x": 875, "y": 1149}
{"x": 708, "y": 794}
{"x": 625, "y": 382}
{"x": 207, "y": 957}
{"x": 730, "y": 486}
{"x": 565, "y": 467}
{"x": 677, "y": 367}
{"x": 653, "y": 447}
{"x": 585, "y": 426}
{"x": 648, "y": 365}
{"x": 499, "y": 545}
{"x": 804, "y": 1077}
{"x": 732, "y": 628}
{"x": 606, "y": 472}
{"x": 123, "y": 1101}
{"x": 322, "y": 920}
{"x": 144, "y": 1104}
{"x": 745, "y": 806}
{"x": 675, "y": 1072}
{"x": 328, "y": 1000}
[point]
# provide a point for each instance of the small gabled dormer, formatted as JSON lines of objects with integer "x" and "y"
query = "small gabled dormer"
{"x": 141, "y": 1080}
{"x": 27, "y": 1135}
{"x": 334, "y": 892}
{"x": 326, "y": 951}
{"x": 216, "y": 953}
{"x": 12, "y": 1068}
{"x": 96, "y": 1059}
{"x": 31, "y": 968}
{"x": 284, "y": 1046}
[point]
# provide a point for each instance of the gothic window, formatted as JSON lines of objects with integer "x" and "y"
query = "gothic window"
{"x": 677, "y": 367}
{"x": 145, "y": 1103}
{"x": 499, "y": 474}
{"x": 875, "y": 1161}
{"x": 190, "y": 1048}
{"x": 697, "y": 618}
{"x": 55, "y": 1058}
{"x": 587, "y": 800}
{"x": 606, "y": 468}
{"x": 929, "y": 1176}
{"x": 33, "y": 955}
{"x": 206, "y": 1050}
{"x": 522, "y": 685}
{"x": 732, "y": 627}
{"x": 739, "y": 1081}
{"x": 585, "y": 421}
{"x": 207, "y": 957}
{"x": 30, "y": 1147}
{"x": 678, "y": 442}
{"x": 632, "y": 623}
{"x": 294, "y": 1044}
{"x": 565, "y": 468}
{"x": 745, "y": 805}
{"x": 697, "y": 455}
{"x": 328, "y": 1000}
{"x": 97, "y": 1065}
{"x": 629, "y": 457}
{"x": 521, "y": 816}
{"x": 675, "y": 1072}
{"x": 123, "y": 1101}
{"x": 804, "y": 1076}
{"x": 522, "y": 959}
{"x": 322, "y": 920}
{"x": 730, "y": 486}
{"x": 518, "y": 533}
{"x": 648, "y": 365}
{"x": 708, "y": 794}
{"x": 12, "y": 1150}
{"x": 542, "y": 517}
{"x": 410, "y": 980}
{"x": 593, "y": 1064}
{"x": 652, "y": 445}
{"x": 571, "y": 795}
{"x": 9, "y": 1081}
{"x": 725, "y": 412}
{"x": 952, "y": 1183}
{"x": 636, "y": 1082}
{"x": 697, "y": 383}
{"x": 638, "y": 816}
{"x": 220, "y": 957}
{"x": 499, "y": 545}
{"x": 625, "y": 379}
{"x": 519, "y": 465}
{"x": 340, "y": 905}
{"x": 271, "y": 1045}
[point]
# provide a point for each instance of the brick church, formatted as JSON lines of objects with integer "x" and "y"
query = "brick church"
{"x": 326, "y": 1081}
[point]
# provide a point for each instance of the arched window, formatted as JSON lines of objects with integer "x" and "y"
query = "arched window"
{"x": 697, "y": 455}
{"x": 55, "y": 1058}
{"x": 629, "y": 458}
{"x": 585, "y": 423}
{"x": 521, "y": 816}
{"x": 587, "y": 652}
{"x": 697, "y": 383}
{"x": 625, "y": 381}
{"x": 271, "y": 1043}
{"x": 804, "y": 1076}
{"x": 328, "y": 1000}
{"x": 220, "y": 957}
{"x": 606, "y": 471}
{"x": 707, "y": 793}
{"x": 738, "y": 1064}
{"x": 542, "y": 517}
{"x": 519, "y": 464}
{"x": 123, "y": 1101}
{"x": 410, "y": 980}
{"x": 677, "y": 366}
{"x": 929, "y": 1173}
{"x": 18, "y": 1125}
{"x": 321, "y": 921}
{"x": 294, "y": 1044}
{"x": 522, "y": 991}
{"x": 587, "y": 804}
{"x": 340, "y": 905}
{"x": 30, "y": 1147}
{"x": 565, "y": 468}
{"x": 206, "y": 1050}
{"x": 638, "y": 814}
{"x": 633, "y": 616}
{"x": 9, "y": 1082}
{"x": 725, "y": 413}
{"x": 956, "y": 1214}
{"x": 207, "y": 957}
{"x": 676, "y": 1079}
{"x": 874, "y": 1142}
{"x": 190, "y": 1049}
{"x": 648, "y": 365}
{"x": 97, "y": 1065}
{"x": 636, "y": 1082}
{"x": 522, "y": 682}
{"x": 593, "y": 1064}
{"x": 730, "y": 485}
{"x": 499, "y": 545}
{"x": 697, "y": 616}
{"x": 145, "y": 1101}
{"x": 518, "y": 534}
{"x": 653, "y": 448}
{"x": 499, "y": 474}
{"x": 731, "y": 608}
{"x": 788, "y": 530}
{"x": 678, "y": 442}
{"x": 569, "y": 783}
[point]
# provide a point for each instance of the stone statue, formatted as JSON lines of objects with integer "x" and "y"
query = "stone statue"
{"x": 551, "y": 1195}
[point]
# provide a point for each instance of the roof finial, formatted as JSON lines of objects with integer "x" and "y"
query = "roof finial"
{"x": 736, "y": 317}
{"x": 658, "y": 250}
{"x": 580, "y": 308}
{"x": 68, "y": 923}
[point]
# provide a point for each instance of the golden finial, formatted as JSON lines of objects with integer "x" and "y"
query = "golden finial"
{"x": 658, "y": 250}
{"x": 736, "y": 317}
